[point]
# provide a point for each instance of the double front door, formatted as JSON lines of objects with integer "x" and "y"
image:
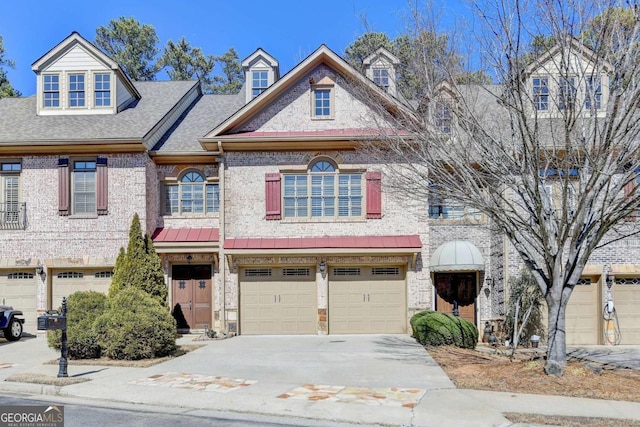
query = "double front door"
{"x": 192, "y": 293}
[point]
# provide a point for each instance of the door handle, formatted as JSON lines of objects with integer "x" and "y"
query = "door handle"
{"x": 275, "y": 298}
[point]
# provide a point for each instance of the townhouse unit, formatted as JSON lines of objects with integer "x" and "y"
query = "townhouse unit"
{"x": 267, "y": 217}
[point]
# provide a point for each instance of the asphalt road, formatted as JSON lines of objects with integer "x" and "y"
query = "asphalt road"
{"x": 86, "y": 415}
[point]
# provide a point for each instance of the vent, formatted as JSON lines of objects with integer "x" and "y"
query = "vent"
{"x": 70, "y": 275}
{"x": 296, "y": 272}
{"x": 584, "y": 282}
{"x": 257, "y": 272}
{"x": 385, "y": 271}
{"x": 20, "y": 276}
{"x": 346, "y": 271}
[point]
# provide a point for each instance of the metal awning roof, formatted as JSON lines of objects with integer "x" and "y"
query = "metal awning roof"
{"x": 456, "y": 255}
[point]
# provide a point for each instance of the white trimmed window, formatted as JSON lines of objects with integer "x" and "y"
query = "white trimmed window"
{"x": 83, "y": 187}
{"x": 102, "y": 90}
{"x": 442, "y": 117}
{"x": 381, "y": 78}
{"x": 567, "y": 92}
{"x": 76, "y": 90}
{"x": 10, "y": 205}
{"x": 593, "y": 93}
{"x": 323, "y": 192}
{"x": 192, "y": 194}
{"x": 51, "y": 90}
{"x": 322, "y": 102}
{"x": 541, "y": 93}
{"x": 259, "y": 82}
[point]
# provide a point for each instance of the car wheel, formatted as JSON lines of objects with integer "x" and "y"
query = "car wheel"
{"x": 14, "y": 331}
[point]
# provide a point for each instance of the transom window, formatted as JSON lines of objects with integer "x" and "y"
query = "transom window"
{"x": 381, "y": 78}
{"x": 51, "y": 90}
{"x": 76, "y": 90}
{"x": 259, "y": 82}
{"x": 83, "y": 187}
{"x": 323, "y": 192}
{"x": 102, "y": 90}
{"x": 322, "y": 103}
{"x": 192, "y": 195}
{"x": 541, "y": 93}
{"x": 593, "y": 97}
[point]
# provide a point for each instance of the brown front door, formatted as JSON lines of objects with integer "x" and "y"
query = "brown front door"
{"x": 460, "y": 288}
{"x": 191, "y": 286}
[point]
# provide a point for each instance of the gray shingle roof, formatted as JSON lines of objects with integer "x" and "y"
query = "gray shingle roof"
{"x": 19, "y": 122}
{"x": 206, "y": 113}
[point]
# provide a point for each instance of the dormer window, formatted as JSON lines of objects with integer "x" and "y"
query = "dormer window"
{"x": 442, "y": 116}
{"x": 381, "y": 78}
{"x": 51, "y": 90}
{"x": 102, "y": 90}
{"x": 76, "y": 90}
{"x": 259, "y": 82}
{"x": 541, "y": 93}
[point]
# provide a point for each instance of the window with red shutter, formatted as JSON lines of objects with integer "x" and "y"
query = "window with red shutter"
{"x": 272, "y": 196}
{"x": 374, "y": 195}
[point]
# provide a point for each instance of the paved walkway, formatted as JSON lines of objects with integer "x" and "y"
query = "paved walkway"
{"x": 360, "y": 379}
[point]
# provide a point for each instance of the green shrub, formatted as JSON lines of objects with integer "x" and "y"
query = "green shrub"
{"x": 135, "y": 326}
{"x": 435, "y": 328}
{"x": 83, "y": 308}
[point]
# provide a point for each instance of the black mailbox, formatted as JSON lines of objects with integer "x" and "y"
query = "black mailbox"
{"x": 51, "y": 322}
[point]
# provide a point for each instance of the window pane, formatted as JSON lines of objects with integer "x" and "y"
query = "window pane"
{"x": 84, "y": 188}
{"x": 213, "y": 198}
{"x": 171, "y": 199}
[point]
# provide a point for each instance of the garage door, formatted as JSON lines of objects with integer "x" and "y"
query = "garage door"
{"x": 367, "y": 300}
{"x": 64, "y": 283}
{"x": 626, "y": 297}
{"x": 278, "y": 301}
{"x": 583, "y": 314}
{"x": 18, "y": 289}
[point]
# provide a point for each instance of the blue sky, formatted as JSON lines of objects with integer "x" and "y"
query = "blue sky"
{"x": 289, "y": 29}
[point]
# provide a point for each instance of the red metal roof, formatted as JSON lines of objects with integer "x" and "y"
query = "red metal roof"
{"x": 332, "y": 242}
{"x": 166, "y": 235}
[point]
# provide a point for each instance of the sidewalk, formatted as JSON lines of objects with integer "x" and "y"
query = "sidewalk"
{"x": 366, "y": 380}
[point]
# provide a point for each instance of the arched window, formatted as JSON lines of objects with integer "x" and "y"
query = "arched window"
{"x": 192, "y": 195}
{"x": 322, "y": 192}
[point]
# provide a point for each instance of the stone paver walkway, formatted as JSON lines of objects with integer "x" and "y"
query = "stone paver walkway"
{"x": 194, "y": 381}
{"x": 391, "y": 396}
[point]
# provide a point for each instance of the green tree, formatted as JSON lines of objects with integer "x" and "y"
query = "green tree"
{"x": 232, "y": 79}
{"x": 184, "y": 62}
{"x": 6, "y": 90}
{"x": 132, "y": 45}
{"x": 364, "y": 46}
{"x": 139, "y": 266}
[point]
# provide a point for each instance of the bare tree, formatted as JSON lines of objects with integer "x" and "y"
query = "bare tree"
{"x": 550, "y": 155}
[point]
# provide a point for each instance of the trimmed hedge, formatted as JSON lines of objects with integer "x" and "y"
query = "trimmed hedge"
{"x": 83, "y": 308}
{"x": 135, "y": 326}
{"x": 435, "y": 328}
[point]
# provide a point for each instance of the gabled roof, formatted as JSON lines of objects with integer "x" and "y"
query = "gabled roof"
{"x": 261, "y": 53}
{"x": 322, "y": 55}
{"x": 577, "y": 47}
{"x": 384, "y": 53}
{"x": 76, "y": 39}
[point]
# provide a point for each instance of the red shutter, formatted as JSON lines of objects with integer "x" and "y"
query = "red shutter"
{"x": 374, "y": 195}
{"x": 63, "y": 186}
{"x": 272, "y": 195}
{"x": 102, "y": 186}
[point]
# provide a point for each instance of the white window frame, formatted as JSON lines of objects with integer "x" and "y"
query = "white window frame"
{"x": 96, "y": 91}
{"x": 175, "y": 201}
{"x": 329, "y": 99}
{"x": 381, "y": 78}
{"x": 263, "y": 78}
{"x": 46, "y": 91}
{"x": 10, "y": 184}
{"x": 75, "y": 90}
{"x": 540, "y": 91}
{"x": 82, "y": 173}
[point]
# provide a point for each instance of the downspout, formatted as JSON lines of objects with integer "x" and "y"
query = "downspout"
{"x": 221, "y": 256}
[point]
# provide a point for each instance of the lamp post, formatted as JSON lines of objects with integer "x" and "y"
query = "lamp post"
{"x": 64, "y": 349}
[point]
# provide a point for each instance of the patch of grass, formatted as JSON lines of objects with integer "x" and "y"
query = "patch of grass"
{"x": 45, "y": 379}
{"x": 554, "y": 420}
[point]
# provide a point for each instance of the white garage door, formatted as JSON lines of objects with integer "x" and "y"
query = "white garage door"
{"x": 66, "y": 282}
{"x": 367, "y": 300}
{"x": 626, "y": 297}
{"x": 278, "y": 301}
{"x": 18, "y": 289}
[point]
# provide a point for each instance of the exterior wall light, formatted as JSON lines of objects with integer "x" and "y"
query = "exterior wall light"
{"x": 323, "y": 268}
{"x": 39, "y": 269}
{"x": 189, "y": 259}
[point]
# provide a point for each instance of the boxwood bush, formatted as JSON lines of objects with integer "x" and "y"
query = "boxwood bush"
{"x": 435, "y": 328}
{"x": 83, "y": 308}
{"x": 135, "y": 326}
